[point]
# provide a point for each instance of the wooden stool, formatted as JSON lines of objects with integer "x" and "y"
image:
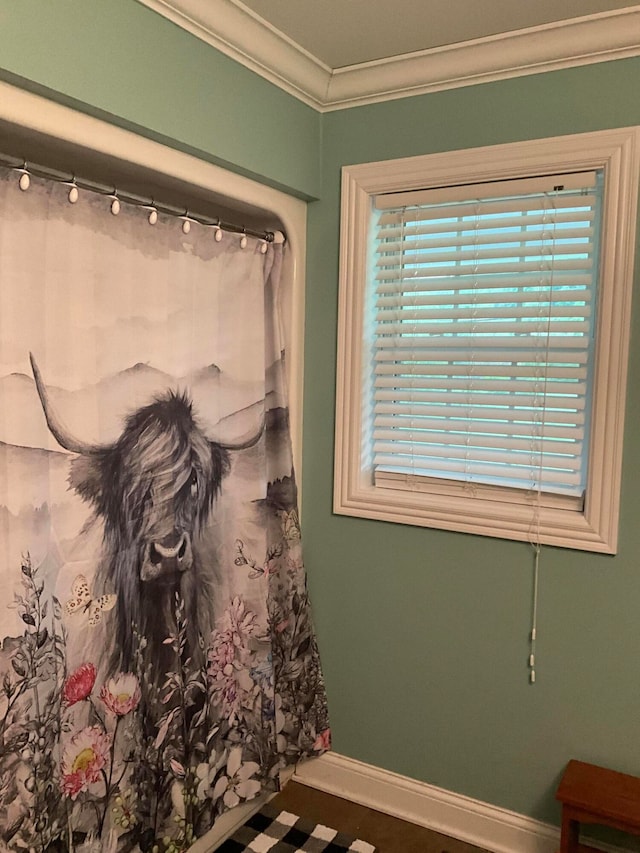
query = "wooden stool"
{"x": 594, "y": 795}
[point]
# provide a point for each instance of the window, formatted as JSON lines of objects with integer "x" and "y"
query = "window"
{"x": 483, "y": 336}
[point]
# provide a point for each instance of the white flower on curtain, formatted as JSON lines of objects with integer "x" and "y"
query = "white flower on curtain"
{"x": 237, "y": 783}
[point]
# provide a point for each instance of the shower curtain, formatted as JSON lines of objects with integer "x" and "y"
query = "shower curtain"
{"x": 158, "y": 663}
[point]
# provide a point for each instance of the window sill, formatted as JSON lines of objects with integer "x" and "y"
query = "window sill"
{"x": 470, "y": 513}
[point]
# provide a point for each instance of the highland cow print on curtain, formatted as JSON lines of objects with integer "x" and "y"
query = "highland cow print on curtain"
{"x": 158, "y": 664}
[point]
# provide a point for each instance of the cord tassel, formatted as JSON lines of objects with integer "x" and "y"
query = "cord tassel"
{"x": 534, "y": 613}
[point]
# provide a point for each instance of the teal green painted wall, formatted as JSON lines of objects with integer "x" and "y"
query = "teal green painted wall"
{"x": 424, "y": 633}
{"x": 120, "y": 60}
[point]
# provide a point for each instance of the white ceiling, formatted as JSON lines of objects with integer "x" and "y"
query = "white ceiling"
{"x": 335, "y": 54}
{"x": 348, "y": 32}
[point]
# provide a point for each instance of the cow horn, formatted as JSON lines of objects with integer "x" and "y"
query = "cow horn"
{"x": 244, "y": 443}
{"x": 56, "y": 427}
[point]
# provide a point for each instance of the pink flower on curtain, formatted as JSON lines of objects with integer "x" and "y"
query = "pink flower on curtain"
{"x": 230, "y": 658}
{"x": 239, "y": 622}
{"x": 79, "y": 684}
{"x": 323, "y": 741}
{"x": 230, "y": 682}
{"x": 83, "y": 759}
{"x": 221, "y": 656}
{"x": 121, "y": 694}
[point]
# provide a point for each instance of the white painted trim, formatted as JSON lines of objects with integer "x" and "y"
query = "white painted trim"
{"x": 596, "y": 529}
{"x": 43, "y": 117}
{"x": 238, "y": 32}
{"x": 549, "y": 47}
{"x": 488, "y": 827}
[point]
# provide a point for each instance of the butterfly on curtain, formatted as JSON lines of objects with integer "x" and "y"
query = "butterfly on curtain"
{"x": 269, "y": 567}
{"x": 82, "y": 601}
{"x": 290, "y": 525}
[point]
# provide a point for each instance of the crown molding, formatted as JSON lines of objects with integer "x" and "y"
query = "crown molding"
{"x": 549, "y": 47}
{"x": 242, "y": 35}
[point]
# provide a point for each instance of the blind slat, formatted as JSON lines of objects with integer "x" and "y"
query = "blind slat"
{"x": 468, "y": 384}
{"x": 397, "y": 372}
{"x": 387, "y": 428}
{"x": 479, "y": 327}
{"x": 394, "y": 228}
{"x": 477, "y": 298}
{"x": 445, "y": 439}
{"x": 459, "y": 283}
{"x": 548, "y": 461}
{"x": 472, "y": 270}
{"x": 469, "y": 399}
{"x": 529, "y": 347}
{"x": 476, "y": 254}
{"x": 406, "y": 413}
{"x": 539, "y": 311}
{"x": 485, "y": 237}
{"x": 469, "y": 468}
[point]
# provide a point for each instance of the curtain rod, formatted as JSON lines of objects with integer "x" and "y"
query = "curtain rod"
{"x": 25, "y": 168}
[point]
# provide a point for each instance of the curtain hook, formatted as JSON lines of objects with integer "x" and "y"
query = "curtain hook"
{"x": 243, "y": 239}
{"x": 217, "y": 235}
{"x": 115, "y": 204}
{"x": 153, "y": 212}
{"x": 73, "y": 190}
{"x": 186, "y": 222}
{"x": 24, "y": 181}
{"x": 264, "y": 247}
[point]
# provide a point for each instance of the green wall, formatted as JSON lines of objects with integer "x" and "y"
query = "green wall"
{"x": 121, "y": 61}
{"x": 424, "y": 633}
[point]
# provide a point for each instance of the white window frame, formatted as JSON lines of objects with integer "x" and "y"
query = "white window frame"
{"x": 593, "y": 527}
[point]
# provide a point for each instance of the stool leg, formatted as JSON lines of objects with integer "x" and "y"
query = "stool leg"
{"x": 569, "y": 834}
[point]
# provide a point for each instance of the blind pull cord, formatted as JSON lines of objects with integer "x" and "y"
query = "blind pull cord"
{"x": 535, "y": 540}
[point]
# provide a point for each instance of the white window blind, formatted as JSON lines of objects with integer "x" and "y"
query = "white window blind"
{"x": 483, "y": 329}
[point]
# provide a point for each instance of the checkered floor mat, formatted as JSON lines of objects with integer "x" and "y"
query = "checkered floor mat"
{"x": 275, "y": 831}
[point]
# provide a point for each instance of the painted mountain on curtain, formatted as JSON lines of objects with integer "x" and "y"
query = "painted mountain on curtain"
{"x": 96, "y": 412}
{"x": 29, "y": 474}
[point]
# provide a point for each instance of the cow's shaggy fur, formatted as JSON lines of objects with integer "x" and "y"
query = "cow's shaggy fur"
{"x": 154, "y": 489}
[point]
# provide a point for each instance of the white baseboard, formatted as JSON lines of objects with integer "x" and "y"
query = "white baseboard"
{"x": 490, "y": 827}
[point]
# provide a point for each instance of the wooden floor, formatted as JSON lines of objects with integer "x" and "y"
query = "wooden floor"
{"x": 388, "y": 834}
